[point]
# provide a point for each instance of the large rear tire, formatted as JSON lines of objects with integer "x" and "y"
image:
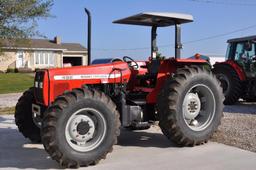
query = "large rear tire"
{"x": 230, "y": 82}
{"x": 190, "y": 106}
{"x": 80, "y": 128}
{"x": 24, "y": 119}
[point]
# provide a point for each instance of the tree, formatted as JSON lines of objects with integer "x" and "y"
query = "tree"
{"x": 18, "y": 18}
{"x": 160, "y": 56}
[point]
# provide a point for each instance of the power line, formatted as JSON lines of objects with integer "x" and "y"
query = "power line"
{"x": 220, "y": 35}
{"x": 224, "y": 2}
{"x": 121, "y": 49}
{"x": 186, "y": 42}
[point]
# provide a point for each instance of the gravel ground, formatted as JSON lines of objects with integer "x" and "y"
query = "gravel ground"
{"x": 238, "y": 127}
{"x": 9, "y": 100}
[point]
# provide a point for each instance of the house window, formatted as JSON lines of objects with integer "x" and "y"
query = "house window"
{"x": 43, "y": 58}
{"x": 36, "y": 55}
{"x": 20, "y": 59}
{"x": 46, "y": 58}
{"x": 51, "y": 59}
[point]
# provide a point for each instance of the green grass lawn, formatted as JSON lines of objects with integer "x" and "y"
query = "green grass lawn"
{"x": 15, "y": 82}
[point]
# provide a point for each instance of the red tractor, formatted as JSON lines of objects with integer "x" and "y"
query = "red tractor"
{"x": 78, "y": 111}
{"x": 238, "y": 73}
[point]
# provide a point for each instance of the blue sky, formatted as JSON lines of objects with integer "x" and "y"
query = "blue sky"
{"x": 209, "y": 19}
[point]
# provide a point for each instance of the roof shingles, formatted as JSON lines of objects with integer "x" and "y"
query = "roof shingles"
{"x": 42, "y": 44}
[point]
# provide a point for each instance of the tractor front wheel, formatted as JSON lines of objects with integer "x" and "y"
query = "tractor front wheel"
{"x": 190, "y": 106}
{"x": 24, "y": 117}
{"x": 80, "y": 128}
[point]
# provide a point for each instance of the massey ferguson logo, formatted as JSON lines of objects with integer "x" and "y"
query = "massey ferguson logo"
{"x": 86, "y": 76}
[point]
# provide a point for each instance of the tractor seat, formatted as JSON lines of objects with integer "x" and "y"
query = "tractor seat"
{"x": 153, "y": 68}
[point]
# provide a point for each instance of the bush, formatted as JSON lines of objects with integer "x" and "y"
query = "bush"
{"x": 25, "y": 70}
{"x": 12, "y": 70}
{"x": 37, "y": 69}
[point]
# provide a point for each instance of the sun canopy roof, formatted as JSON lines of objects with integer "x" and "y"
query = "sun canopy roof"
{"x": 159, "y": 19}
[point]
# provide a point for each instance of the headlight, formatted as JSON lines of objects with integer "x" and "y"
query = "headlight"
{"x": 41, "y": 85}
{"x": 36, "y": 84}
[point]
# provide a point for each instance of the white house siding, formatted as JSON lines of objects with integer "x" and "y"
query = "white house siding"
{"x": 8, "y": 59}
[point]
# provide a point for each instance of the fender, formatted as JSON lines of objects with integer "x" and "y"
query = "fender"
{"x": 167, "y": 68}
{"x": 235, "y": 66}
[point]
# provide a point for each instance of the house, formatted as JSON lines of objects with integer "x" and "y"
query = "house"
{"x": 40, "y": 53}
{"x": 216, "y": 58}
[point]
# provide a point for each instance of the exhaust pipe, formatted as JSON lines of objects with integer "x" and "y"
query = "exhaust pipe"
{"x": 89, "y": 35}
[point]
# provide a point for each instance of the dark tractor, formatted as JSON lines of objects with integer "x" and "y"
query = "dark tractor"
{"x": 238, "y": 73}
{"x": 78, "y": 111}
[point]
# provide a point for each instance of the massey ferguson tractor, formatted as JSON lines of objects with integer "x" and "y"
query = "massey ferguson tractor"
{"x": 238, "y": 73}
{"x": 77, "y": 112}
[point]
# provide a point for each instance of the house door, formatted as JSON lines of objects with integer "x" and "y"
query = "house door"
{"x": 20, "y": 59}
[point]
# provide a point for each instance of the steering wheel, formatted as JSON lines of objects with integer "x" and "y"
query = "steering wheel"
{"x": 129, "y": 60}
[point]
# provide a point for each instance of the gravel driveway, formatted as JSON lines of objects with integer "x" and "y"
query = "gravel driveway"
{"x": 9, "y": 100}
{"x": 238, "y": 126}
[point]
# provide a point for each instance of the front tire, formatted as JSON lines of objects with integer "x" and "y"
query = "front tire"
{"x": 80, "y": 128}
{"x": 24, "y": 119}
{"x": 190, "y": 106}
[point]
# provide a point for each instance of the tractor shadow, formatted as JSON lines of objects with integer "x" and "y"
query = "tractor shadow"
{"x": 241, "y": 108}
{"x": 17, "y": 152}
{"x": 145, "y": 138}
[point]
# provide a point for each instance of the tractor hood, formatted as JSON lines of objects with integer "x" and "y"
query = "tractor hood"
{"x": 51, "y": 83}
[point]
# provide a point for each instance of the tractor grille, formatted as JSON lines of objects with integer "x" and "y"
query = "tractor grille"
{"x": 39, "y": 79}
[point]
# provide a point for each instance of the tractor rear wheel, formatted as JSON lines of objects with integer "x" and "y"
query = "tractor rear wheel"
{"x": 190, "y": 106}
{"x": 24, "y": 117}
{"x": 230, "y": 82}
{"x": 80, "y": 128}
